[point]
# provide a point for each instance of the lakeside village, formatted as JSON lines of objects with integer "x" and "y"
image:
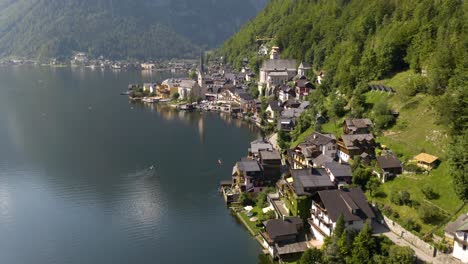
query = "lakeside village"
{"x": 291, "y": 199}
{"x": 82, "y": 59}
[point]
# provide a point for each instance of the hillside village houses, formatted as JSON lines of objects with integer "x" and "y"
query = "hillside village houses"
{"x": 457, "y": 232}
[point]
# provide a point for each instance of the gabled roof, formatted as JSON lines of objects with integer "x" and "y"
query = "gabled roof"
{"x": 350, "y": 139}
{"x": 461, "y": 224}
{"x": 269, "y": 155}
{"x": 351, "y": 203}
{"x": 279, "y": 64}
{"x": 388, "y": 161}
{"x": 246, "y": 96}
{"x": 248, "y": 165}
{"x": 321, "y": 160}
{"x": 320, "y": 139}
{"x": 310, "y": 178}
{"x": 338, "y": 169}
{"x": 304, "y": 83}
{"x": 426, "y": 158}
{"x": 275, "y": 106}
{"x": 359, "y": 123}
{"x": 278, "y": 227}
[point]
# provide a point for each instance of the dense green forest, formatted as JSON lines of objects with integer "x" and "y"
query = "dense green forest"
{"x": 356, "y": 42}
{"x": 119, "y": 28}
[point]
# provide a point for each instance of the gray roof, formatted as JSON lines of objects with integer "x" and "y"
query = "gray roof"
{"x": 359, "y": 123}
{"x": 293, "y": 112}
{"x": 304, "y": 105}
{"x": 321, "y": 159}
{"x": 454, "y": 226}
{"x": 270, "y": 155}
{"x": 291, "y": 248}
{"x": 310, "y": 178}
{"x": 320, "y": 139}
{"x": 280, "y": 64}
{"x": 255, "y": 147}
{"x": 188, "y": 84}
{"x": 388, "y": 161}
{"x": 275, "y": 106}
{"x": 345, "y": 201}
{"x": 338, "y": 169}
{"x": 279, "y": 74}
{"x": 279, "y": 227}
{"x": 248, "y": 165}
{"x": 349, "y": 139}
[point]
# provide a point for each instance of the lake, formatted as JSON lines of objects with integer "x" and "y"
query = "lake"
{"x": 75, "y": 178}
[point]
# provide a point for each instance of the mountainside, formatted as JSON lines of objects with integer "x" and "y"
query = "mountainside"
{"x": 358, "y": 41}
{"x": 119, "y": 28}
{"x": 418, "y": 47}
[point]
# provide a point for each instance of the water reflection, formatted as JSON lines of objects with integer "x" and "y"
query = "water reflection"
{"x": 195, "y": 119}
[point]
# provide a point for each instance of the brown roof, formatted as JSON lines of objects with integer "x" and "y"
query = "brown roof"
{"x": 388, "y": 162}
{"x": 426, "y": 158}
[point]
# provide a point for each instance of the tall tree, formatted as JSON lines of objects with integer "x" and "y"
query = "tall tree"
{"x": 363, "y": 246}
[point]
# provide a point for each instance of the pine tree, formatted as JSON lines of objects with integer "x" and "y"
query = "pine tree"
{"x": 363, "y": 246}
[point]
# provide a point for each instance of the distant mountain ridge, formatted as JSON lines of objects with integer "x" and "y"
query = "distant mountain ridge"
{"x": 119, "y": 28}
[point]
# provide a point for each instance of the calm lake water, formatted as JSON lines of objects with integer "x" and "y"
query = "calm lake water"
{"x": 74, "y": 180}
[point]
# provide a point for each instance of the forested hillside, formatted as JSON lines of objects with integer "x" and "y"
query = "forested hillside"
{"x": 418, "y": 47}
{"x": 119, "y": 28}
{"x": 358, "y": 41}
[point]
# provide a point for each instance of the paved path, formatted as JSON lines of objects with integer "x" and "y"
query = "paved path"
{"x": 421, "y": 255}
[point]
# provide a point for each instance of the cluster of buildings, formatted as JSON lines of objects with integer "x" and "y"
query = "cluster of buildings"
{"x": 312, "y": 187}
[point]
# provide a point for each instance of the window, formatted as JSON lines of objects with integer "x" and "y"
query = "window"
{"x": 464, "y": 247}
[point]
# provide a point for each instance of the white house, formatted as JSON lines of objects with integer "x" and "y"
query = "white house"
{"x": 458, "y": 232}
{"x": 325, "y": 142}
{"x": 327, "y": 206}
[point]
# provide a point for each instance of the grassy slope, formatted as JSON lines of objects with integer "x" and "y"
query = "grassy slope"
{"x": 414, "y": 132}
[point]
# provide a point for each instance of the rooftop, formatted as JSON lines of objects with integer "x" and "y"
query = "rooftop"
{"x": 351, "y": 203}
{"x": 248, "y": 165}
{"x": 426, "y": 158}
{"x": 310, "y": 178}
{"x": 338, "y": 169}
{"x": 388, "y": 161}
{"x": 270, "y": 155}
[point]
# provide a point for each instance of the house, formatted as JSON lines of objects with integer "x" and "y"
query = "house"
{"x": 457, "y": 231}
{"x": 297, "y": 190}
{"x": 328, "y": 205}
{"x": 282, "y": 238}
{"x": 245, "y": 100}
{"x": 273, "y": 110}
{"x": 286, "y": 124}
{"x": 357, "y": 126}
{"x": 257, "y": 146}
{"x": 308, "y": 181}
{"x": 270, "y": 161}
{"x": 246, "y": 176}
{"x": 353, "y": 145}
{"x": 340, "y": 174}
{"x": 302, "y": 155}
{"x": 286, "y": 93}
{"x": 148, "y": 66}
{"x": 389, "y": 166}
{"x": 426, "y": 161}
{"x": 303, "y": 88}
{"x": 326, "y": 143}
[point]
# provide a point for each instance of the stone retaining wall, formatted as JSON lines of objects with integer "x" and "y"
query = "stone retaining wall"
{"x": 427, "y": 248}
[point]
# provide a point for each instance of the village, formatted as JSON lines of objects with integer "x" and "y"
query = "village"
{"x": 290, "y": 199}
